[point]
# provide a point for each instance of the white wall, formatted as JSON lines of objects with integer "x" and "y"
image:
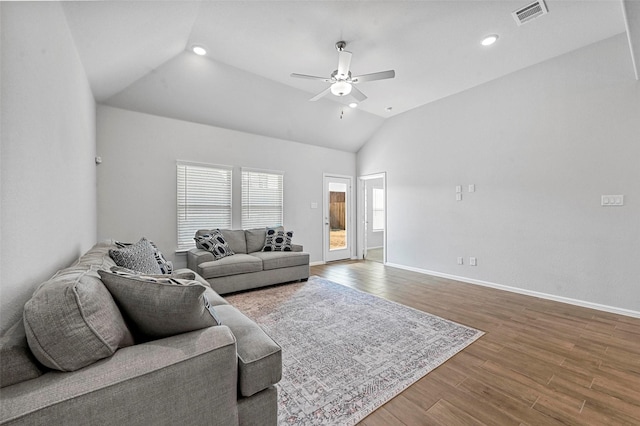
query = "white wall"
{"x": 137, "y": 178}
{"x": 541, "y": 145}
{"x": 48, "y": 172}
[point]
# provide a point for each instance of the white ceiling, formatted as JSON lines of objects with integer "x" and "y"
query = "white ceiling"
{"x": 136, "y": 55}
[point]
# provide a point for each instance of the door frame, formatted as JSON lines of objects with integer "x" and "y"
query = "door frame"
{"x": 351, "y": 208}
{"x": 362, "y": 212}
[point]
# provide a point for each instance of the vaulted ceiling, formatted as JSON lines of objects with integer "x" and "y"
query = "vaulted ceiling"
{"x": 137, "y": 55}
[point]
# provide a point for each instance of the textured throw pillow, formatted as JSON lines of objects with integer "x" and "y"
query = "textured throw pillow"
{"x": 166, "y": 266}
{"x": 139, "y": 257}
{"x": 72, "y": 321}
{"x": 161, "y": 307}
{"x": 215, "y": 243}
{"x": 278, "y": 240}
{"x": 180, "y": 274}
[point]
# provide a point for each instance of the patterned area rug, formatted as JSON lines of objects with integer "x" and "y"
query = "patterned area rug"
{"x": 346, "y": 352}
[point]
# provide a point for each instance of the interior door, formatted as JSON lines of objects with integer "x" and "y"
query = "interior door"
{"x": 338, "y": 236}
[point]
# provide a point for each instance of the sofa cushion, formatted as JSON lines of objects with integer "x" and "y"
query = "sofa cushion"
{"x": 161, "y": 307}
{"x": 278, "y": 259}
{"x": 18, "y": 363}
{"x": 255, "y": 239}
{"x": 233, "y": 265}
{"x": 259, "y": 357}
{"x": 214, "y": 298}
{"x": 214, "y": 243}
{"x": 72, "y": 321}
{"x": 166, "y": 266}
{"x": 278, "y": 240}
{"x": 236, "y": 239}
{"x": 139, "y": 257}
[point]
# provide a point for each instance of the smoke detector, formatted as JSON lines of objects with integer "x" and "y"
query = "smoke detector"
{"x": 530, "y": 12}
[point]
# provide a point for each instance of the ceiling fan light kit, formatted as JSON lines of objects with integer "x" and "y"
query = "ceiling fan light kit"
{"x": 341, "y": 88}
{"x": 342, "y": 83}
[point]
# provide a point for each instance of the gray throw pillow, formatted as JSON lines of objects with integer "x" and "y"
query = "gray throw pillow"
{"x": 180, "y": 274}
{"x": 278, "y": 240}
{"x": 139, "y": 257}
{"x": 161, "y": 307}
{"x": 72, "y": 321}
{"x": 215, "y": 243}
{"x": 166, "y": 266}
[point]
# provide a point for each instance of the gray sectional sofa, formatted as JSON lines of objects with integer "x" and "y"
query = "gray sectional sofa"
{"x": 249, "y": 267}
{"x": 80, "y": 363}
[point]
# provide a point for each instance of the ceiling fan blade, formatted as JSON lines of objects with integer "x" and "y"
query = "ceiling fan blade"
{"x": 311, "y": 77}
{"x": 356, "y": 93}
{"x": 321, "y": 94}
{"x": 374, "y": 76}
{"x": 344, "y": 61}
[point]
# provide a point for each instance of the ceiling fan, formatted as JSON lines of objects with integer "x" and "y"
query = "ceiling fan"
{"x": 342, "y": 83}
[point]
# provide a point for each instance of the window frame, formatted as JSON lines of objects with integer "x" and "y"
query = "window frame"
{"x": 377, "y": 194}
{"x": 183, "y": 228}
{"x": 246, "y": 219}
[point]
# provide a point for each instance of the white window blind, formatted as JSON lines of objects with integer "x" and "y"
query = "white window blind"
{"x": 262, "y": 198}
{"x": 378, "y": 209}
{"x": 204, "y": 200}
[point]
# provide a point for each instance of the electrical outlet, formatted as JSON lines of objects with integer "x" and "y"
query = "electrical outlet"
{"x": 473, "y": 261}
{"x": 460, "y": 261}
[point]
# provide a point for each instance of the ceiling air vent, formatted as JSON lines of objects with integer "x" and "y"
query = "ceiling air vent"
{"x": 529, "y": 12}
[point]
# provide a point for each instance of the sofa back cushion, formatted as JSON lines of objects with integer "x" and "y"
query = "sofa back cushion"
{"x": 234, "y": 238}
{"x": 18, "y": 363}
{"x": 255, "y": 239}
{"x": 72, "y": 321}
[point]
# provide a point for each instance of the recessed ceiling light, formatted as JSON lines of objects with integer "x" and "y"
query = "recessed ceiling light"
{"x": 489, "y": 40}
{"x": 199, "y": 50}
{"x": 353, "y": 104}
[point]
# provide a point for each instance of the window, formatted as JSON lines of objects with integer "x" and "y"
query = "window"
{"x": 262, "y": 198}
{"x": 204, "y": 200}
{"x": 378, "y": 209}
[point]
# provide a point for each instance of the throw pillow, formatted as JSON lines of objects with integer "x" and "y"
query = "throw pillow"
{"x": 278, "y": 240}
{"x": 161, "y": 307}
{"x": 215, "y": 243}
{"x": 72, "y": 321}
{"x": 166, "y": 266}
{"x": 139, "y": 257}
{"x": 179, "y": 274}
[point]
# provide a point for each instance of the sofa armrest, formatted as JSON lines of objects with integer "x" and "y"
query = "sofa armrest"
{"x": 296, "y": 247}
{"x": 190, "y": 378}
{"x": 196, "y": 256}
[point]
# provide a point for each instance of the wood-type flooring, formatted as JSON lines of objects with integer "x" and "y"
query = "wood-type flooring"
{"x": 540, "y": 362}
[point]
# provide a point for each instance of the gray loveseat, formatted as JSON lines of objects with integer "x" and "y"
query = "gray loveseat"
{"x": 249, "y": 267}
{"x": 218, "y": 375}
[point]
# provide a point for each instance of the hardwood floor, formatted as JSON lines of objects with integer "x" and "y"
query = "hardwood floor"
{"x": 539, "y": 363}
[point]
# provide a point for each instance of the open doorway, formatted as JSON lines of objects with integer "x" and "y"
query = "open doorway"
{"x": 374, "y": 217}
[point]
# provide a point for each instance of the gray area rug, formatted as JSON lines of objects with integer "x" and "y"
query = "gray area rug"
{"x": 346, "y": 352}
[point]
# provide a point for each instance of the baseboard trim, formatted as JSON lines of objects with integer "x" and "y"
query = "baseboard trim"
{"x": 317, "y": 263}
{"x": 568, "y": 300}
